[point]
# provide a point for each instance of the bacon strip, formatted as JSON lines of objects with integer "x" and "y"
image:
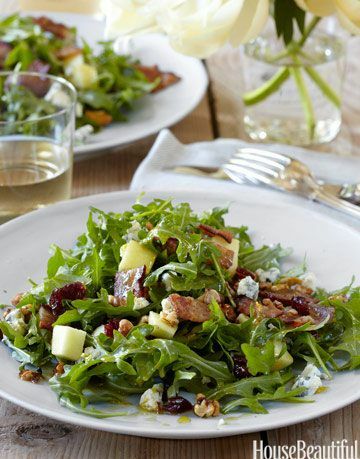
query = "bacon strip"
{"x": 227, "y": 256}
{"x": 130, "y": 281}
{"x": 47, "y": 317}
{"x": 98, "y": 117}
{"x": 298, "y": 307}
{"x": 188, "y": 308}
{"x": 56, "y": 28}
{"x": 152, "y": 73}
{"x": 211, "y": 232}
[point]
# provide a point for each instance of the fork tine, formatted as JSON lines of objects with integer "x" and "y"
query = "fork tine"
{"x": 265, "y": 153}
{"x": 252, "y": 165}
{"x": 237, "y": 172}
{"x": 260, "y": 159}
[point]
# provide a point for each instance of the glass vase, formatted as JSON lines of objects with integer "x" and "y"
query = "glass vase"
{"x": 293, "y": 96}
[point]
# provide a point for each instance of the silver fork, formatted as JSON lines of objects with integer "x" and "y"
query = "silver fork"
{"x": 282, "y": 173}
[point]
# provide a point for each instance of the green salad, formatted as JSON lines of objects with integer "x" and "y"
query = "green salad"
{"x": 181, "y": 311}
{"x": 108, "y": 84}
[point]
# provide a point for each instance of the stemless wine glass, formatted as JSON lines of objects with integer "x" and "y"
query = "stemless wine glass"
{"x": 37, "y": 121}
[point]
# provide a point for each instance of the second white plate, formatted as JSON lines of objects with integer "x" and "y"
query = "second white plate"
{"x": 155, "y": 111}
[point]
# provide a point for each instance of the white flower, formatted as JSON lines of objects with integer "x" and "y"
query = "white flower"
{"x": 248, "y": 287}
{"x": 194, "y": 27}
{"x": 317, "y": 7}
{"x": 348, "y": 11}
{"x": 128, "y": 16}
{"x": 151, "y": 398}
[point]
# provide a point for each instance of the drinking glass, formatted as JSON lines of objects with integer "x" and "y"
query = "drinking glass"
{"x": 37, "y": 121}
{"x": 280, "y": 116}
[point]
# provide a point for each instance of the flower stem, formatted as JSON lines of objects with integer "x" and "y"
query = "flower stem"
{"x": 323, "y": 86}
{"x": 271, "y": 86}
{"x": 305, "y": 100}
{"x": 312, "y": 24}
{"x": 294, "y": 46}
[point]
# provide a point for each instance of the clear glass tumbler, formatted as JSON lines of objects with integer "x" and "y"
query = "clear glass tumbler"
{"x": 37, "y": 122}
{"x": 293, "y": 98}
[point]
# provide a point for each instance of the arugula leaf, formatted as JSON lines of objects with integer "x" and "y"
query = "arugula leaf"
{"x": 259, "y": 360}
{"x": 264, "y": 258}
{"x": 282, "y": 394}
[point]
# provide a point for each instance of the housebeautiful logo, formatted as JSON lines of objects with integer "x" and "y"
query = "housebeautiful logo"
{"x": 340, "y": 449}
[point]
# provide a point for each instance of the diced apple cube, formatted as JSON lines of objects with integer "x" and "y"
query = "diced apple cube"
{"x": 162, "y": 329}
{"x": 135, "y": 255}
{"x": 234, "y": 245}
{"x": 84, "y": 76}
{"x": 67, "y": 342}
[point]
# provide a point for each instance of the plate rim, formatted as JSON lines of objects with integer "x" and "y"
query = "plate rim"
{"x": 154, "y": 431}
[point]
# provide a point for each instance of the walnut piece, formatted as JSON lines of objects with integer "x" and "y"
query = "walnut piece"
{"x": 116, "y": 301}
{"x": 143, "y": 320}
{"x": 206, "y": 408}
{"x": 30, "y": 376}
{"x": 59, "y": 369}
{"x": 16, "y": 299}
{"x": 125, "y": 326}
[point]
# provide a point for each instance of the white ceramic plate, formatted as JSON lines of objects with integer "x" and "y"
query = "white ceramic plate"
{"x": 155, "y": 111}
{"x": 330, "y": 248}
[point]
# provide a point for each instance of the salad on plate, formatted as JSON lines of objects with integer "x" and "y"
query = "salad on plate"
{"x": 179, "y": 312}
{"x": 108, "y": 84}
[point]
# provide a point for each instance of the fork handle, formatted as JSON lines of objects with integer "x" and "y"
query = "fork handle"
{"x": 336, "y": 203}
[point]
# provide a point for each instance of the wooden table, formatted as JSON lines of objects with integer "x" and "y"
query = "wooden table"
{"x": 24, "y": 434}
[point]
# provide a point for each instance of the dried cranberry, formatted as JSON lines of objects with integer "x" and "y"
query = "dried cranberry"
{"x": 240, "y": 367}
{"x": 229, "y": 312}
{"x": 177, "y": 404}
{"x": 74, "y": 291}
{"x": 171, "y": 245}
{"x": 109, "y": 328}
{"x": 301, "y": 304}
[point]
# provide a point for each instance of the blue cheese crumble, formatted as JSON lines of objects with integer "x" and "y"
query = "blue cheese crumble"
{"x": 310, "y": 378}
{"x": 16, "y": 320}
{"x": 140, "y": 303}
{"x": 269, "y": 275}
{"x": 151, "y": 398}
{"x": 248, "y": 287}
{"x": 133, "y": 232}
{"x": 309, "y": 280}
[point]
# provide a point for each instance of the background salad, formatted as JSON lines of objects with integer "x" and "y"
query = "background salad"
{"x": 108, "y": 84}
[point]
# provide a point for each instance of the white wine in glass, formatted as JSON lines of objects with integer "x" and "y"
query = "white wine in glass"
{"x": 36, "y": 149}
